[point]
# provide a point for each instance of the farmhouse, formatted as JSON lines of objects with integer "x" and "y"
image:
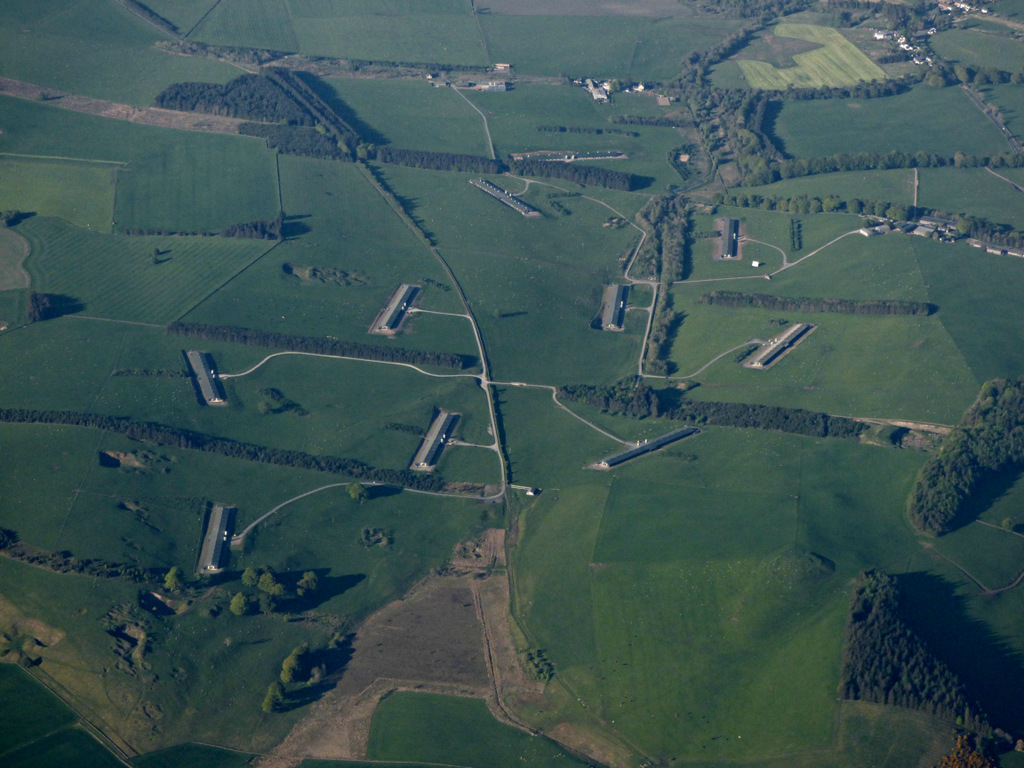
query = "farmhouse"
{"x": 771, "y": 351}
{"x": 646, "y": 447}
{"x": 212, "y": 556}
{"x": 500, "y": 194}
{"x": 614, "y": 315}
{"x": 205, "y": 376}
{"x": 433, "y": 444}
{"x": 397, "y": 307}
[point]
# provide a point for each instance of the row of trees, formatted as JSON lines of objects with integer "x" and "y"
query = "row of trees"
{"x": 319, "y": 345}
{"x": 325, "y": 117}
{"x": 988, "y": 442}
{"x": 806, "y": 304}
{"x": 640, "y": 401}
{"x": 666, "y": 251}
{"x": 885, "y": 662}
{"x": 298, "y": 140}
{"x": 663, "y": 328}
{"x": 813, "y": 204}
{"x": 150, "y": 15}
{"x": 655, "y": 122}
{"x": 250, "y": 97}
{"x": 583, "y": 129}
{"x": 184, "y": 438}
{"x": 259, "y": 229}
{"x": 65, "y": 562}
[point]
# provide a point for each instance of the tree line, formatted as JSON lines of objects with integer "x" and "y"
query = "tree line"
{"x": 320, "y": 345}
{"x": 197, "y": 441}
{"x": 325, "y": 116}
{"x": 67, "y": 563}
{"x": 654, "y": 122}
{"x": 885, "y": 662}
{"x": 640, "y": 401}
{"x": 665, "y": 253}
{"x": 664, "y": 326}
{"x": 259, "y": 229}
{"x": 581, "y": 129}
{"x": 150, "y": 15}
{"x": 988, "y": 442}
{"x": 250, "y": 97}
{"x": 806, "y": 304}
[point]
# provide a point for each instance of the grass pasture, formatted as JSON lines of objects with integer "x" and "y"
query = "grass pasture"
{"x": 974, "y": 48}
{"x": 432, "y": 728}
{"x": 836, "y": 62}
{"x": 184, "y": 14}
{"x": 114, "y": 276}
{"x": 510, "y": 267}
{"x": 38, "y": 44}
{"x": 339, "y": 222}
{"x": 70, "y": 746}
{"x": 196, "y": 755}
{"x": 1009, "y": 99}
{"x": 81, "y": 193}
{"x": 678, "y": 577}
{"x": 202, "y": 184}
{"x": 894, "y": 186}
{"x": 942, "y": 121}
{"x": 412, "y": 114}
{"x": 29, "y": 711}
{"x": 438, "y": 31}
{"x": 13, "y": 252}
{"x": 972, "y": 191}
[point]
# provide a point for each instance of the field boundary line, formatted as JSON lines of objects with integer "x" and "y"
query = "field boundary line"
{"x": 114, "y": 320}
{"x": 487, "y": 130}
{"x": 480, "y": 32}
{"x": 83, "y": 160}
{"x": 211, "y": 294}
{"x": 347, "y": 357}
{"x": 201, "y": 20}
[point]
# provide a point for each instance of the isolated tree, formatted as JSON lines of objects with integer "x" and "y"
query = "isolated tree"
{"x": 239, "y": 604}
{"x": 269, "y": 584}
{"x": 274, "y": 699}
{"x": 307, "y": 583}
{"x": 294, "y": 664}
{"x": 250, "y": 576}
{"x": 173, "y": 581}
{"x": 357, "y": 492}
{"x": 1007, "y": 524}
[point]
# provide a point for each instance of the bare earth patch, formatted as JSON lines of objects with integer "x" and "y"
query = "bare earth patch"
{"x": 451, "y": 635}
{"x": 13, "y": 252}
{"x": 164, "y": 118}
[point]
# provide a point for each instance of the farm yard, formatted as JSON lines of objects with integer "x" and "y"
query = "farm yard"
{"x": 689, "y": 606}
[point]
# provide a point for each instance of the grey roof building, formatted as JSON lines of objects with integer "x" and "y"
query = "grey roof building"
{"x": 205, "y": 375}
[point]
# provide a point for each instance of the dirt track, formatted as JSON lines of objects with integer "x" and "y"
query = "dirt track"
{"x": 164, "y": 118}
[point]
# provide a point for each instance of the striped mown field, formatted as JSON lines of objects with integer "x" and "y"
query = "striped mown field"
{"x": 838, "y": 62}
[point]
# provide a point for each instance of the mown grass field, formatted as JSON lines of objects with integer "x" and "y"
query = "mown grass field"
{"x": 28, "y": 709}
{"x": 895, "y": 186}
{"x": 114, "y": 276}
{"x": 1009, "y": 99}
{"x": 197, "y": 755}
{"x": 80, "y": 193}
{"x": 415, "y": 115}
{"x": 513, "y": 118}
{"x": 979, "y": 49}
{"x": 853, "y": 365}
{"x": 201, "y": 185}
{"x": 672, "y": 576}
{"x": 69, "y": 746}
{"x": 972, "y": 191}
{"x": 838, "y": 62}
{"x": 432, "y": 728}
{"x": 940, "y": 120}
{"x": 39, "y": 43}
{"x": 339, "y": 222}
{"x": 528, "y": 279}
{"x": 438, "y": 31}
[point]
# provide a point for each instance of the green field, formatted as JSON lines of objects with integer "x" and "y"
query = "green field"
{"x": 202, "y": 185}
{"x": 980, "y": 49}
{"x": 972, "y": 191}
{"x": 436, "y": 31}
{"x": 511, "y": 266}
{"x": 513, "y": 118}
{"x": 30, "y": 712}
{"x": 711, "y": 577}
{"x": 118, "y": 277}
{"x": 895, "y": 186}
{"x": 940, "y": 120}
{"x": 85, "y": 48}
{"x": 432, "y": 728}
{"x": 1009, "y": 99}
{"x": 414, "y": 115}
{"x": 197, "y": 755}
{"x": 80, "y": 193}
{"x": 837, "y": 62}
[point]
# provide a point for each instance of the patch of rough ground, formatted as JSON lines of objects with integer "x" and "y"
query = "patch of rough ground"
{"x": 164, "y": 118}
{"x": 13, "y": 251}
{"x": 449, "y": 635}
